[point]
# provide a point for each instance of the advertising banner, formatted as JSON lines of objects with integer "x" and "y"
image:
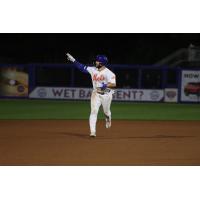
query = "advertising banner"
{"x": 85, "y": 93}
{"x": 171, "y": 95}
{"x": 190, "y": 86}
{"x": 13, "y": 81}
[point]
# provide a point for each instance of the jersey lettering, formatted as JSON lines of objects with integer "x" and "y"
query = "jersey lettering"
{"x": 100, "y": 78}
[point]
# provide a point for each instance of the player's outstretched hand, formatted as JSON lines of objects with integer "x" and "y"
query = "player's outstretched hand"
{"x": 70, "y": 57}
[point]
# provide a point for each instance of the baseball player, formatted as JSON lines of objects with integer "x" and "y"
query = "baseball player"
{"x": 103, "y": 81}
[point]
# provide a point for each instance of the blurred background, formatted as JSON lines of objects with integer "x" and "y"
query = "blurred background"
{"x": 120, "y": 48}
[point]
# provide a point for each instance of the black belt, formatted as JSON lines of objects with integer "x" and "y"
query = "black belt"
{"x": 104, "y": 92}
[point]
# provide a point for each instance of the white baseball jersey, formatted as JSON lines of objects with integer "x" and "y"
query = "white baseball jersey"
{"x": 99, "y": 77}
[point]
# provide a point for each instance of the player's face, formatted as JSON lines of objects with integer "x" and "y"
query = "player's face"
{"x": 98, "y": 65}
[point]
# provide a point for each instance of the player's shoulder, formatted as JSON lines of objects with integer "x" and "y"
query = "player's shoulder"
{"x": 109, "y": 71}
{"x": 91, "y": 68}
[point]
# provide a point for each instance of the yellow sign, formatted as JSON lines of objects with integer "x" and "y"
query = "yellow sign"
{"x": 13, "y": 81}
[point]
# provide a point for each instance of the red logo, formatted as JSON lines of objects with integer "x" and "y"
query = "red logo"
{"x": 100, "y": 78}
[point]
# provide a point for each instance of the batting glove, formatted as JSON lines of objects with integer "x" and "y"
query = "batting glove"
{"x": 104, "y": 86}
{"x": 70, "y": 57}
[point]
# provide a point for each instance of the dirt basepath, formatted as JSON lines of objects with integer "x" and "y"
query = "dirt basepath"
{"x": 67, "y": 142}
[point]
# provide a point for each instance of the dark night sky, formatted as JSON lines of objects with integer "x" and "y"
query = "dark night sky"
{"x": 120, "y": 48}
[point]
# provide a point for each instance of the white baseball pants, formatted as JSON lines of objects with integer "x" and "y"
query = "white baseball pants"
{"x": 96, "y": 101}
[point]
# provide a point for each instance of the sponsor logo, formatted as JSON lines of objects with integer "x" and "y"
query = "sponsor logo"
{"x": 85, "y": 93}
{"x": 191, "y": 75}
{"x": 154, "y": 95}
{"x": 20, "y": 88}
{"x": 128, "y": 95}
{"x": 192, "y": 88}
{"x": 42, "y": 92}
{"x": 171, "y": 94}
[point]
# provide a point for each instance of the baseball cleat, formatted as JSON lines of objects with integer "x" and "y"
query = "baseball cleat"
{"x": 92, "y": 134}
{"x": 108, "y": 123}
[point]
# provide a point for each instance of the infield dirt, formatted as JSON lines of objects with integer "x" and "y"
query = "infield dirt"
{"x": 67, "y": 142}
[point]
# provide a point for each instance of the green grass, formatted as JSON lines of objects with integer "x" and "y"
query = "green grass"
{"x": 51, "y": 109}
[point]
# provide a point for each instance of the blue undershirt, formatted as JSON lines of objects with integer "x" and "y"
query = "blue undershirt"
{"x": 81, "y": 67}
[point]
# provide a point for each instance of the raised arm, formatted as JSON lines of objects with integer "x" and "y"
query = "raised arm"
{"x": 81, "y": 67}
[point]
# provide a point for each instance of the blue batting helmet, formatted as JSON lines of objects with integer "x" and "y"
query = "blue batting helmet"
{"x": 102, "y": 59}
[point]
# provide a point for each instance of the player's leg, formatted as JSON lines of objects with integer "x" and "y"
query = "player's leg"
{"x": 106, "y": 103}
{"x": 95, "y": 104}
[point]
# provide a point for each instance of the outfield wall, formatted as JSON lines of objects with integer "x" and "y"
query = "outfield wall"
{"x": 134, "y": 83}
{"x": 85, "y": 94}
